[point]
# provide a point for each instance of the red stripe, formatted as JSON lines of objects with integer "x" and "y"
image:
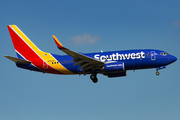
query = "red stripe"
{"x": 59, "y": 46}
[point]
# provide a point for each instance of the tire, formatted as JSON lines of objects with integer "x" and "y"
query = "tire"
{"x": 94, "y": 78}
{"x": 157, "y": 73}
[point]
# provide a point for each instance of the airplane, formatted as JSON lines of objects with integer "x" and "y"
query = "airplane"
{"x": 111, "y": 64}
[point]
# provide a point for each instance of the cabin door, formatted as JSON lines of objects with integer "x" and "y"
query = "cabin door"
{"x": 153, "y": 55}
{"x": 45, "y": 65}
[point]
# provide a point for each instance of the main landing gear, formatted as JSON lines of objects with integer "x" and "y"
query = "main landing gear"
{"x": 94, "y": 77}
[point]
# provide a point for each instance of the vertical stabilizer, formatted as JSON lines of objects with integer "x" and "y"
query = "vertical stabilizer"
{"x": 28, "y": 51}
{"x": 24, "y": 47}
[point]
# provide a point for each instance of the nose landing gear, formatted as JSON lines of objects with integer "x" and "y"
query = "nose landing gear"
{"x": 94, "y": 77}
{"x": 162, "y": 67}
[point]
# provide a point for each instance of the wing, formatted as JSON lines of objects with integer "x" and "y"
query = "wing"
{"x": 83, "y": 61}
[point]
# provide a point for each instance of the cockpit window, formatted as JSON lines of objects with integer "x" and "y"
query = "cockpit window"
{"x": 164, "y": 53}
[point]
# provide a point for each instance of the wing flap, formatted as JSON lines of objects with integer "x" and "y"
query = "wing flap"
{"x": 17, "y": 60}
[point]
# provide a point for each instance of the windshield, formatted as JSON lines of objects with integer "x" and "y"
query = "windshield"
{"x": 164, "y": 53}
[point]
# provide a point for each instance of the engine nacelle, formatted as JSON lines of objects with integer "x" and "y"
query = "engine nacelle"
{"x": 114, "y": 67}
{"x": 119, "y": 74}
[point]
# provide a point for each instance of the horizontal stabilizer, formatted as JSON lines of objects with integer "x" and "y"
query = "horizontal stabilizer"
{"x": 17, "y": 60}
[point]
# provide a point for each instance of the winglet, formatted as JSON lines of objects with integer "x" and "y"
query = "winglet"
{"x": 59, "y": 45}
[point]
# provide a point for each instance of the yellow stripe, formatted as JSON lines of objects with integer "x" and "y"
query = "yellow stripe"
{"x": 45, "y": 56}
{"x": 50, "y": 60}
{"x": 26, "y": 39}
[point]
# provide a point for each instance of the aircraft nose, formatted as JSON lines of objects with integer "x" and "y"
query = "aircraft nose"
{"x": 173, "y": 59}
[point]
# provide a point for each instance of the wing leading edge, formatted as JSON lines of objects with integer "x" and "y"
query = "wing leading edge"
{"x": 83, "y": 61}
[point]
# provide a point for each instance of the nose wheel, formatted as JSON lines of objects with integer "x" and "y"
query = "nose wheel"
{"x": 94, "y": 78}
{"x": 157, "y": 73}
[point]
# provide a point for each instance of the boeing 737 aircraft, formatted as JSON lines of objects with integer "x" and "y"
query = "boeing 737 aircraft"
{"x": 111, "y": 64}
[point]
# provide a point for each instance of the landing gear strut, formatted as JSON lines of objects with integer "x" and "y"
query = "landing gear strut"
{"x": 94, "y": 77}
{"x": 162, "y": 67}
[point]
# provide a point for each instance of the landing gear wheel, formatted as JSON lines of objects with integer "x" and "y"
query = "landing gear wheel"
{"x": 157, "y": 73}
{"x": 94, "y": 78}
